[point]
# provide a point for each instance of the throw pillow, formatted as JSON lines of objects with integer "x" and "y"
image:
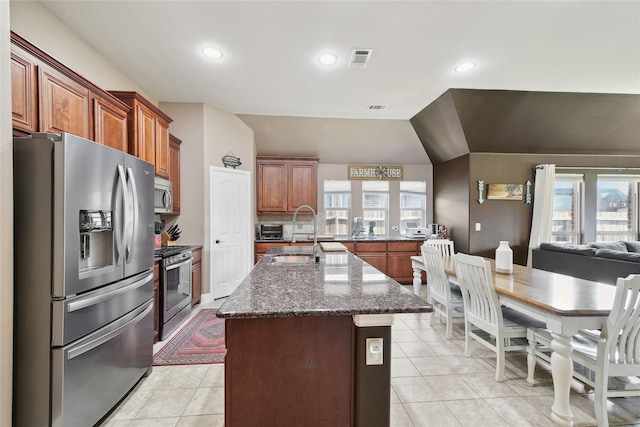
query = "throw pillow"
{"x": 616, "y": 246}
{"x": 633, "y": 246}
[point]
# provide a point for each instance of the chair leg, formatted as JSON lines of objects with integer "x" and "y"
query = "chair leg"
{"x": 449, "y": 325}
{"x": 600, "y": 398}
{"x": 466, "y": 338}
{"x": 500, "y": 359}
{"x": 531, "y": 357}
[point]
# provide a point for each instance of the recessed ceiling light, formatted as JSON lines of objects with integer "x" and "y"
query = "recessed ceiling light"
{"x": 212, "y": 52}
{"x": 464, "y": 67}
{"x": 328, "y": 58}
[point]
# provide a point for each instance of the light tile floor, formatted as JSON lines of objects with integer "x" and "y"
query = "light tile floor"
{"x": 432, "y": 384}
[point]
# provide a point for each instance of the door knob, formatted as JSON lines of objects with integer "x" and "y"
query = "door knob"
{"x": 219, "y": 241}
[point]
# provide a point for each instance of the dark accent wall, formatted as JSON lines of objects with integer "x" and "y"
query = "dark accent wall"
{"x": 465, "y": 121}
{"x": 451, "y": 199}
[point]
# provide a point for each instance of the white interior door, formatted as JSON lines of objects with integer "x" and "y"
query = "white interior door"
{"x": 230, "y": 225}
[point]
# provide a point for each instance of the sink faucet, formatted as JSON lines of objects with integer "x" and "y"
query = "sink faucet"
{"x": 315, "y": 229}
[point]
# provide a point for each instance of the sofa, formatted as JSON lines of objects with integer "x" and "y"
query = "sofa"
{"x": 597, "y": 261}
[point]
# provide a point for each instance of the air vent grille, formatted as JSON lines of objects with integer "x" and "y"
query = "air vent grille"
{"x": 360, "y": 58}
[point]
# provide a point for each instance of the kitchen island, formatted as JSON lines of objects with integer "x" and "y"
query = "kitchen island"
{"x": 296, "y": 337}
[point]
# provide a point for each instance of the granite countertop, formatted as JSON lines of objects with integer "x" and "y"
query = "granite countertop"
{"x": 340, "y": 284}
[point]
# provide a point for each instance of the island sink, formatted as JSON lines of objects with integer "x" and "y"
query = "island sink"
{"x": 292, "y": 259}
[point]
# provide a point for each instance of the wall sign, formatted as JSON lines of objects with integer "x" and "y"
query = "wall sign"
{"x": 376, "y": 172}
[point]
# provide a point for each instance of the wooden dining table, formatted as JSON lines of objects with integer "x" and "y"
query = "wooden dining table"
{"x": 566, "y": 304}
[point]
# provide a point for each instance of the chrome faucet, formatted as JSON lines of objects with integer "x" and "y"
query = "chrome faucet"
{"x": 315, "y": 229}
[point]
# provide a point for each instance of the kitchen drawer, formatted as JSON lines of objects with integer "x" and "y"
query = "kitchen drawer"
{"x": 371, "y": 247}
{"x": 261, "y": 248}
{"x": 403, "y": 247}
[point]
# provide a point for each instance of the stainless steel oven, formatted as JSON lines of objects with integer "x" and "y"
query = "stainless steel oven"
{"x": 175, "y": 288}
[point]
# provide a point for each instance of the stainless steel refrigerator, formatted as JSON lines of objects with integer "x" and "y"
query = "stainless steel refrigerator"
{"x": 84, "y": 228}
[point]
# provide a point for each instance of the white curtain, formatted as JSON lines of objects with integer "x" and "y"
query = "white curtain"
{"x": 542, "y": 207}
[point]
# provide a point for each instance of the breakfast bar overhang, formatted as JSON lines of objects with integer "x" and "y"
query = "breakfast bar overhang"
{"x": 309, "y": 343}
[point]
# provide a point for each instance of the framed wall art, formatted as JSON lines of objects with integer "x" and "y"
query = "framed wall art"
{"x": 504, "y": 191}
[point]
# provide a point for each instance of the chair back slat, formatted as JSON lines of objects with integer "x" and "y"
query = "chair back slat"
{"x": 445, "y": 246}
{"x": 623, "y": 324}
{"x": 481, "y": 300}
{"x": 436, "y": 276}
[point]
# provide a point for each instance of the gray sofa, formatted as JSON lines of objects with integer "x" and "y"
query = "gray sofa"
{"x": 598, "y": 261}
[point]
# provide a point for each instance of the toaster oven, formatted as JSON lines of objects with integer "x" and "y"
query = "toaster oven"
{"x": 271, "y": 232}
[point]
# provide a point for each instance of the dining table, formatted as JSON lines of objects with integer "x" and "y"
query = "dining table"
{"x": 566, "y": 304}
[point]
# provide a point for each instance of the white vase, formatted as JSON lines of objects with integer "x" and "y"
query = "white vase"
{"x": 504, "y": 258}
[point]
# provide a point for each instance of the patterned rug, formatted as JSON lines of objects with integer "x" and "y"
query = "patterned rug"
{"x": 200, "y": 341}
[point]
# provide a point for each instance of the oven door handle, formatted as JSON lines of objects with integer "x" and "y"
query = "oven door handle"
{"x": 79, "y": 305}
{"x": 180, "y": 264}
{"x": 80, "y": 350}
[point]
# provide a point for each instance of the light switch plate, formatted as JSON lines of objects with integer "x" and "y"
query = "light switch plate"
{"x": 478, "y": 226}
{"x": 374, "y": 351}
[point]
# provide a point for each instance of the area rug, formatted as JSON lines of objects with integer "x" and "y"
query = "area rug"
{"x": 200, "y": 341}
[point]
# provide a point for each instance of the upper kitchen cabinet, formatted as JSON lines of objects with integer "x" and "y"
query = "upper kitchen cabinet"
{"x": 46, "y": 96}
{"x": 110, "y": 123}
{"x": 284, "y": 183}
{"x": 148, "y": 131}
{"x": 24, "y": 80}
{"x": 174, "y": 171}
{"x": 64, "y": 103}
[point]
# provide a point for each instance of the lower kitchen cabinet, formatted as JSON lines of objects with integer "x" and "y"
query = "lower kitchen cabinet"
{"x": 196, "y": 276}
{"x": 156, "y": 301}
{"x": 399, "y": 260}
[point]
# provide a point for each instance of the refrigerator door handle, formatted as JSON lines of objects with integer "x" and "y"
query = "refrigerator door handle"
{"x": 80, "y": 350}
{"x": 79, "y": 305}
{"x": 134, "y": 222}
{"x": 120, "y": 220}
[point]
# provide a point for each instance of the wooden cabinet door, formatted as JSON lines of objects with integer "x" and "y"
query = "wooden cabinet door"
{"x": 303, "y": 185}
{"x": 109, "y": 124}
{"x": 145, "y": 144}
{"x": 64, "y": 104}
{"x": 272, "y": 187}
{"x": 196, "y": 277}
{"x": 399, "y": 266}
{"x": 376, "y": 259}
{"x": 24, "y": 93}
{"x": 174, "y": 171}
{"x": 162, "y": 148}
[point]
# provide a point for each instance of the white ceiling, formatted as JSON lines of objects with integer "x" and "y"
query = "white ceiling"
{"x": 270, "y": 64}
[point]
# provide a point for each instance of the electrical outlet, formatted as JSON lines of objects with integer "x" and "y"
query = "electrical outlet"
{"x": 478, "y": 226}
{"x": 374, "y": 352}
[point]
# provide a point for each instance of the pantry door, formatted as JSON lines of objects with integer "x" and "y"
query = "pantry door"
{"x": 230, "y": 237}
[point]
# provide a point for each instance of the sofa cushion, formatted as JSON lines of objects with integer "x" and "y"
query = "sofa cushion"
{"x": 616, "y": 246}
{"x": 573, "y": 249}
{"x": 619, "y": 255}
{"x": 633, "y": 246}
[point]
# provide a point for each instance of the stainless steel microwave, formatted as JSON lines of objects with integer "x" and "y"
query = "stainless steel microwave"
{"x": 163, "y": 196}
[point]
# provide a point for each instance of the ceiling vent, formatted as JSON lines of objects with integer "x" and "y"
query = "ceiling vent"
{"x": 377, "y": 107}
{"x": 360, "y": 58}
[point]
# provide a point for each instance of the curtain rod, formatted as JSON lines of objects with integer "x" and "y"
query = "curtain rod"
{"x": 595, "y": 168}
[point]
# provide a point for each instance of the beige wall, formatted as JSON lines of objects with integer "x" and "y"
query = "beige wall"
{"x": 207, "y": 134}
{"x": 6, "y": 222}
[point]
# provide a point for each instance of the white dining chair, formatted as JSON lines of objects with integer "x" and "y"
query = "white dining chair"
{"x": 445, "y": 298}
{"x": 498, "y": 328}
{"x": 609, "y": 359}
{"x": 445, "y": 246}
